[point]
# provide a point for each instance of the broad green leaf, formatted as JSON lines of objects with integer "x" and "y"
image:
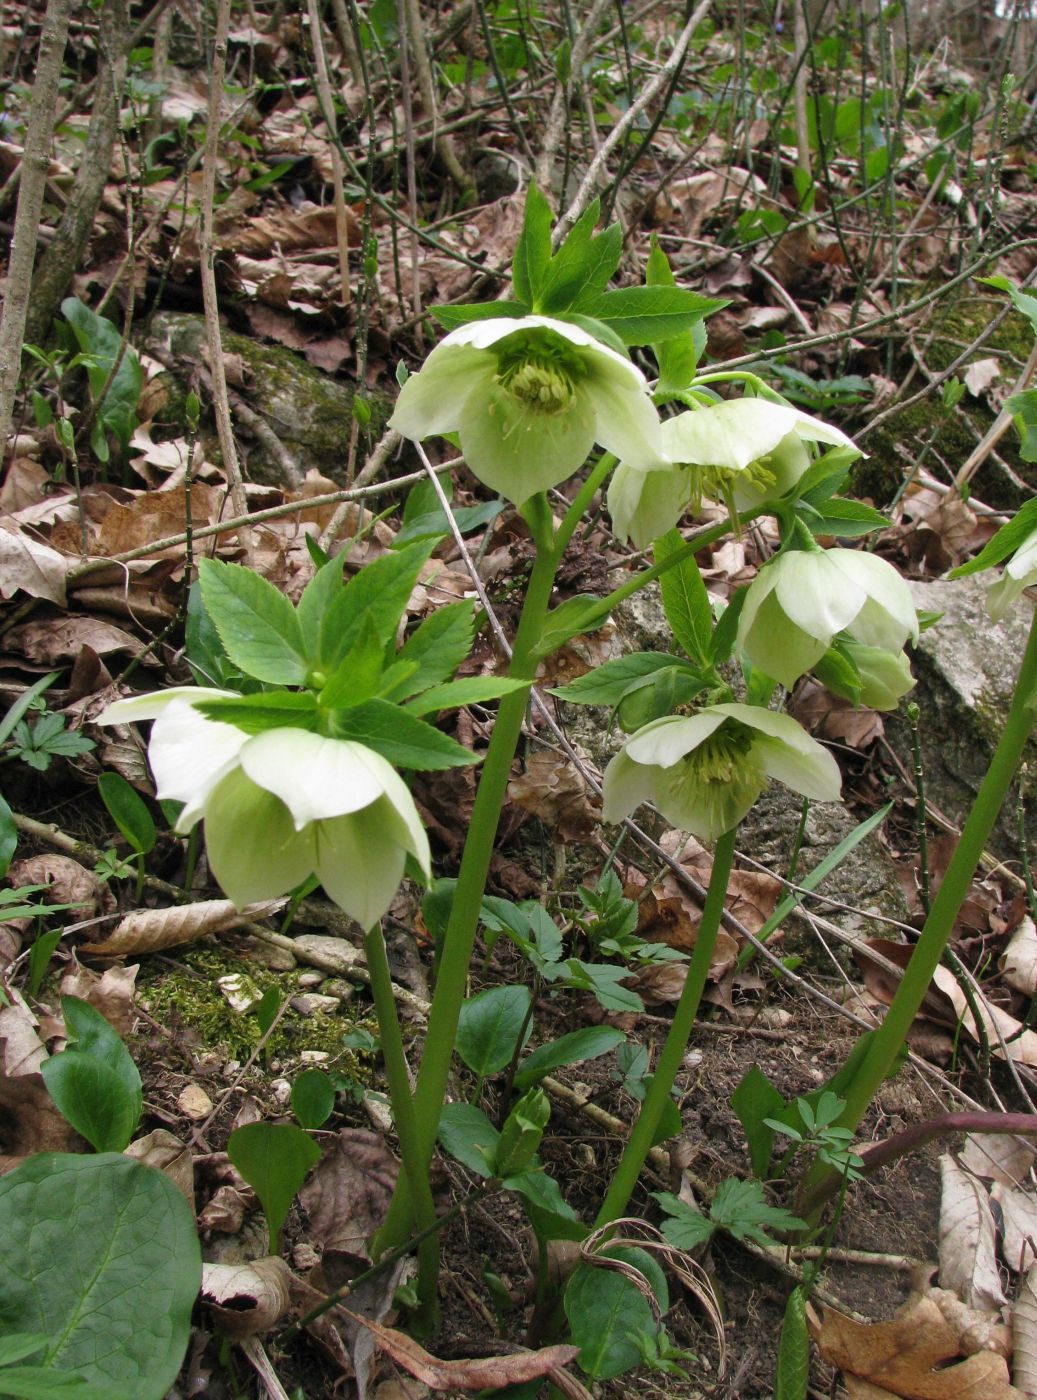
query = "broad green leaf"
{"x": 129, "y": 811}
{"x": 378, "y": 594}
{"x": 657, "y": 695}
{"x": 792, "y": 1373}
{"x": 640, "y": 315}
{"x": 489, "y": 1028}
{"x": 845, "y": 519}
{"x": 685, "y": 600}
{"x": 256, "y": 623}
{"x": 584, "y": 613}
{"x": 270, "y": 709}
{"x": 275, "y": 1159}
{"x": 8, "y": 837}
{"x": 313, "y": 1098}
{"x": 1023, "y": 302}
{"x": 439, "y": 645}
{"x": 607, "y": 684}
{"x": 582, "y": 266}
{"x": 205, "y": 653}
{"x": 35, "y": 1383}
{"x": 754, "y": 1100}
{"x": 89, "y": 1240}
{"x": 450, "y": 317}
{"x": 521, "y": 1134}
{"x": 317, "y": 597}
{"x": 467, "y": 1134}
{"x": 402, "y": 738}
{"x": 102, "y": 341}
{"x": 604, "y": 1308}
{"x": 533, "y": 249}
{"x": 1023, "y": 408}
{"x": 1005, "y": 542}
{"x": 571, "y": 1049}
{"x": 434, "y": 523}
{"x": 551, "y": 1217}
{"x": 94, "y": 1082}
{"x": 472, "y": 690}
{"x": 727, "y": 626}
{"x": 678, "y": 355}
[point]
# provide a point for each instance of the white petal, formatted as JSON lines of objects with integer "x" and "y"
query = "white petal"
{"x": 360, "y": 863}
{"x": 517, "y": 450}
{"x": 666, "y": 741}
{"x": 431, "y": 400}
{"x": 1023, "y": 563}
{"x": 189, "y": 755}
{"x": 254, "y": 850}
{"x": 772, "y": 723}
{"x": 411, "y": 834}
{"x": 1002, "y": 596}
{"x": 774, "y": 643}
{"x": 738, "y": 431}
{"x": 889, "y": 618}
{"x": 645, "y": 504}
{"x": 150, "y": 706}
{"x": 315, "y": 777}
{"x": 626, "y": 418}
{"x": 786, "y": 463}
{"x": 625, "y": 786}
{"x": 815, "y": 596}
{"x": 811, "y": 771}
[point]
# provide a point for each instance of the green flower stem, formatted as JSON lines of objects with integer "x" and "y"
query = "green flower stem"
{"x": 728, "y": 376}
{"x": 644, "y": 1131}
{"x": 582, "y": 500}
{"x": 394, "y": 1056}
{"x": 452, "y": 977}
{"x": 886, "y": 1042}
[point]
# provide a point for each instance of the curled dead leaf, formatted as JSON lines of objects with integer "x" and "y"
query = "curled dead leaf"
{"x": 968, "y": 1239}
{"x": 553, "y": 789}
{"x": 1018, "y": 963}
{"x": 67, "y": 882}
{"x": 34, "y": 568}
{"x": 149, "y": 930}
{"x": 247, "y": 1298}
{"x": 112, "y": 993}
{"x": 160, "y": 1149}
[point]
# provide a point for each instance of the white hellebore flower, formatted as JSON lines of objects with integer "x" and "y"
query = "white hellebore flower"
{"x": 529, "y": 399}
{"x": 705, "y": 771}
{"x": 743, "y": 451}
{"x": 801, "y": 599}
{"x": 1020, "y": 572}
{"x": 282, "y": 805}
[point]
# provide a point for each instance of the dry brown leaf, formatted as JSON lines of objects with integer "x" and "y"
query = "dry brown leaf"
{"x": 1018, "y": 963}
{"x": 348, "y": 1192}
{"x": 30, "y": 1122}
{"x": 113, "y": 994}
{"x": 975, "y": 1331}
{"x": 33, "y": 567}
{"x": 21, "y": 1049}
{"x": 998, "y": 1156}
{"x": 67, "y": 882}
{"x": 160, "y": 1149}
{"x": 968, "y": 1239}
{"x": 1024, "y": 1334}
{"x": 63, "y": 638}
{"x": 909, "y": 1356}
{"x": 488, "y": 1372}
{"x": 553, "y": 789}
{"x": 981, "y": 374}
{"x": 1019, "y": 1217}
{"x": 247, "y": 1298}
{"x": 835, "y": 718}
{"x": 149, "y": 930}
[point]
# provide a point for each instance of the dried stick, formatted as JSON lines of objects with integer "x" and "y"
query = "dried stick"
{"x": 327, "y": 107}
{"x": 220, "y": 399}
{"x": 423, "y": 73}
{"x": 563, "y": 92}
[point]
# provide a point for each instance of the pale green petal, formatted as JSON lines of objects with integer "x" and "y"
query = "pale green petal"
{"x": 888, "y": 618}
{"x": 664, "y": 742}
{"x": 491, "y": 332}
{"x": 884, "y": 677}
{"x": 772, "y": 723}
{"x": 814, "y": 595}
{"x": 625, "y": 786}
{"x": 786, "y": 464}
{"x": 254, "y": 850}
{"x": 811, "y": 771}
{"x": 776, "y": 645}
{"x": 360, "y": 862}
{"x": 314, "y": 777}
{"x": 1023, "y": 563}
{"x": 627, "y": 422}
{"x": 518, "y": 451}
{"x": 1002, "y": 596}
{"x": 645, "y": 504}
{"x": 151, "y": 706}
{"x": 412, "y": 835}
{"x": 706, "y": 809}
{"x": 431, "y": 401}
{"x": 189, "y": 755}
{"x": 739, "y": 431}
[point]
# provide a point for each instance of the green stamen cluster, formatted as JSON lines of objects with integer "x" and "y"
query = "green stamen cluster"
{"x": 718, "y": 775}
{"x": 540, "y": 386}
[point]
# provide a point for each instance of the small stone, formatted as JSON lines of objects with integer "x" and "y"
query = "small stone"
{"x": 194, "y": 1102}
{"x": 310, "y": 979}
{"x": 310, "y": 1002}
{"x": 281, "y": 1090}
{"x": 339, "y": 988}
{"x": 314, "y": 1057}
{"x": 240, "y": 991}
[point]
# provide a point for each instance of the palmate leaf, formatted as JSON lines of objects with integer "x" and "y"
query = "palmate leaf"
{"x": 640, "y": 315}
{"x": 376, "y": 597}
{"x": 256, "y": 623}
{"x": 402, "y": 738}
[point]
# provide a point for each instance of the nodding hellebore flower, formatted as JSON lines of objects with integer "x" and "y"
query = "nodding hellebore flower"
{"x": 529, "y": 399}
{"x": 1020, "y": 572}
{"x": 803, "y": 597}
{"x": 281, "y": 805}
{"x": 743, "y": 452}
{"x": 704, "y": 771}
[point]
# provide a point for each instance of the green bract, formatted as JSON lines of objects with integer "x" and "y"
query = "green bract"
{"x": 529, "y": 399}
{"x": 802, "y": 598}
{"x": 744, "y": 451}
{"x": 705, "y": 771}
{"x": 282, "y": 804}
{"x": 1020, "y": 572}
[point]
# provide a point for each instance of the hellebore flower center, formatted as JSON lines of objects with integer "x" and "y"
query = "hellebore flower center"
{"x": 542, "y": 378}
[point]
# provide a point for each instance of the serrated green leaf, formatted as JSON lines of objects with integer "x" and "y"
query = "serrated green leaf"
{"x": 256, "y": 623}
{"x": 844, "y": 519}
{"x": 1023, "y": 408}
{"x": 687, "y": 1228}
{"x": 377, "y": 595}
{"x": 572, "y": 618}
{"x": 317, "y": 597}
{"x": 126, "y": 1233}
{"x": 435, "y": 523}
{"x": 402, "y": 738}
{"x": 640, "y": 315}
{"x": 741, "y": 1208}
{"x": 1005, "y": 542}
{"x": 685, "y": 600}
{"x": 607, "y": 684}
{"x": 450, "y": 317}
{"x": 439, "y": 645}
{"x": 533, "y": 249}
{"x": 582, "y": 266}
{"x": 272, "y": 709}
{"x": 358, "y": 676}
{"x": 471, "y": 690}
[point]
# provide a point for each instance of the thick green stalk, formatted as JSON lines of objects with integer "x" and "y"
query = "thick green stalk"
{"x": 887, "y": 1041}
{"x": 395, "y": 1058}
{"x": 642, "y": 1137}
{"x": 451, "y": 980}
